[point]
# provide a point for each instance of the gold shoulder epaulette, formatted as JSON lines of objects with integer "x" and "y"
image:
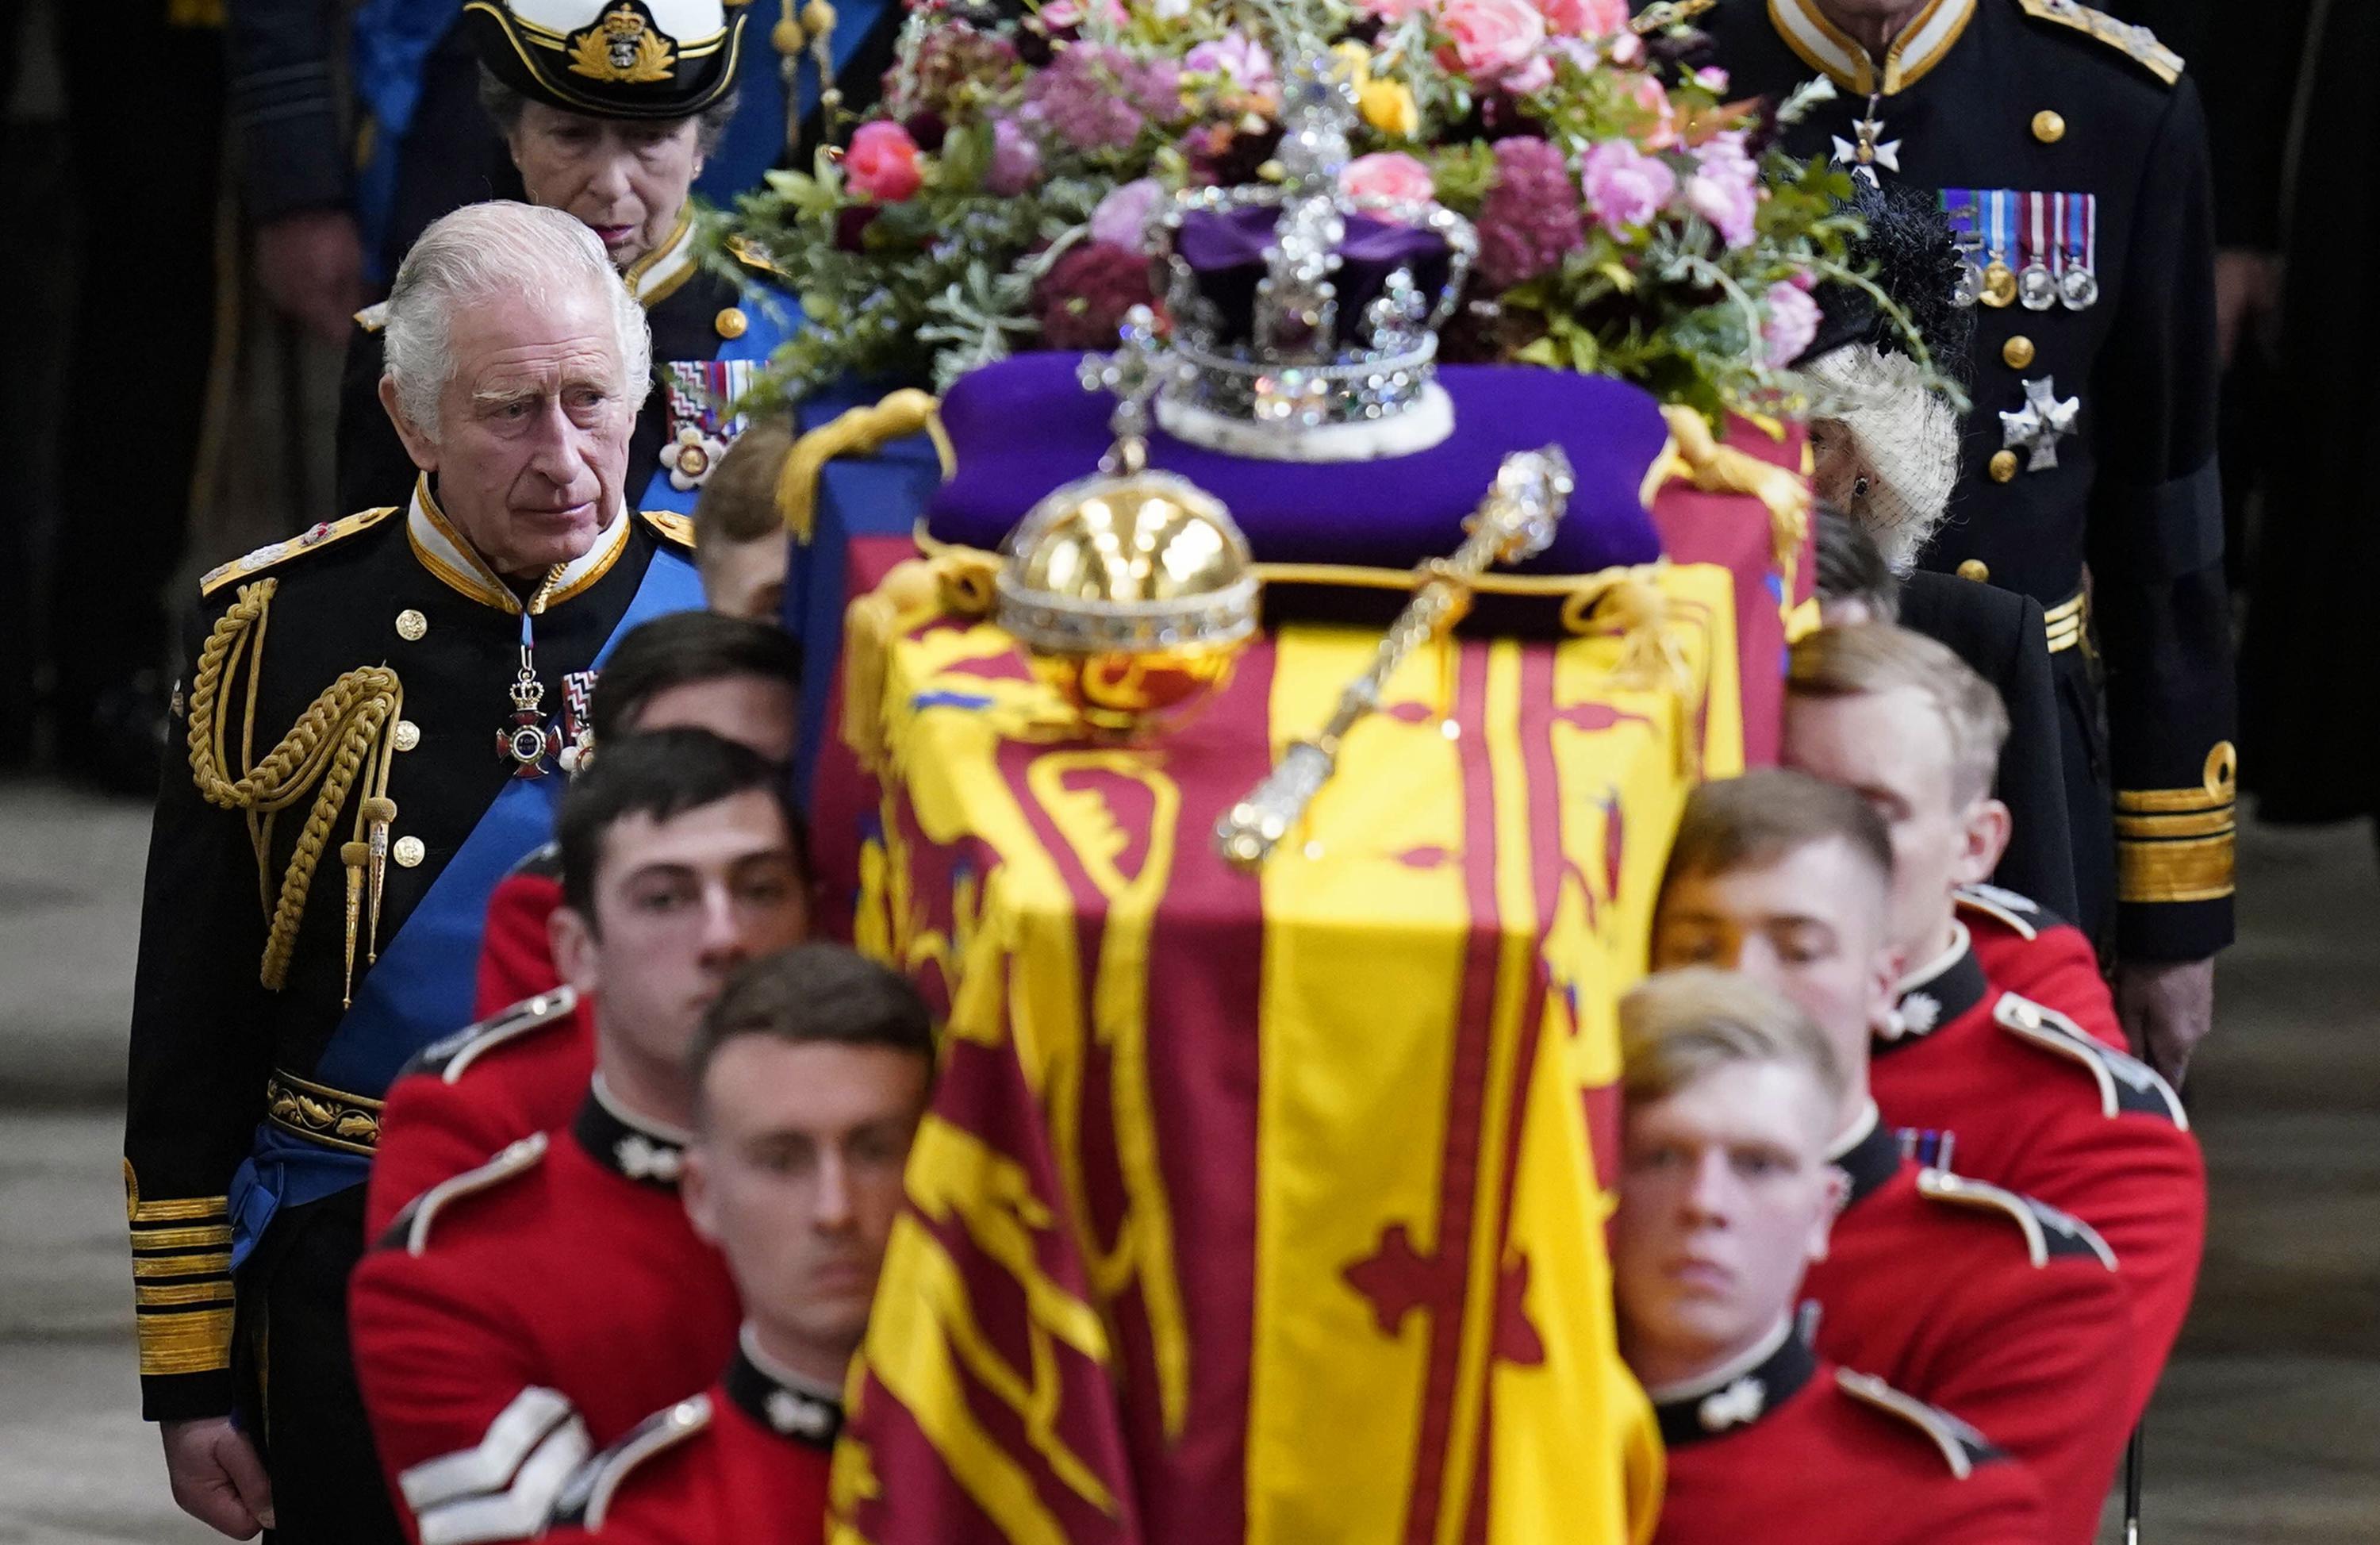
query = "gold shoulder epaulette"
{"x": 451, "y": 1057}
{"x": 587, "y": 1498}
{"x": 374, "y": 317}
{"x": 673, "y": 527}
{"x": 2047, "y": 1232}
{"x": 2020, "y": 913}
{"x": 743, "y": 249}
{"x": 2127, "y": 1085}
{"x": 2136, "y": 44}
{"x": 273, "y": 553}
{"x": 1962, "y": 1446}
{"x": 411, "y": 1229}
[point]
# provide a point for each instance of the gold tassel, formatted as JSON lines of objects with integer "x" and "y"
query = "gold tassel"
{"x": 856, "y": 431}
{"x": 352, "y": 855}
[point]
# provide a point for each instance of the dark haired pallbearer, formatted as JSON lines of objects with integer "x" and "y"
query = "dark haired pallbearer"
{"x": 519, "y": 1316}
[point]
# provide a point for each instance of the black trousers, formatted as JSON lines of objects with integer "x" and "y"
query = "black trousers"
{"x": 2090, "y": 802}
{"x": 301, "y": 1401}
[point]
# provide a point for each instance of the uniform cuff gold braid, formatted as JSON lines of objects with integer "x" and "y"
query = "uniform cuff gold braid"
{"x": 2178, "y": 844}
{"x": 181, "y": 1281}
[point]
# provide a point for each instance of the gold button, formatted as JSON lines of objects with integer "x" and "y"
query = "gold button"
{"x": 731, "y": 322}
{"x": 2017, "y": 352}
{"x": 408, "y": 734}
{"x": 411, "y": 624}
{"x": 2003, "y": 466}
{"x": 408, "y": 851}
{"x": 1975, "y": 569}
{"x": 2049, "y": 128}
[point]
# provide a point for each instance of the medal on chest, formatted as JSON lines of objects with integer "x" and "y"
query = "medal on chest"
{"x": 527, "y": 741}
{"x": 700, "y": 394}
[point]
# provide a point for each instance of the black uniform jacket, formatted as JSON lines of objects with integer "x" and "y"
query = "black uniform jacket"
{"x": 224, "y": 1065}
{"x": 2014, "y": 97}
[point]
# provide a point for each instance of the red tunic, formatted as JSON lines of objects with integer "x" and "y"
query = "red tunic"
{"x": 747, "y": 1463}
{"x": 1800, "y": 1452}
{"x": 1990, "y": 1082}
{"x": 516, "y": 952}
{"x": 2003, "y": 1312}
{"x": 469, "y": 1096}
{"x": 2026, "y": 948}
{"x": 522, "y": 1314}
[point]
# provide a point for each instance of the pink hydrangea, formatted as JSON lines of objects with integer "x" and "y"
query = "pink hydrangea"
{"x": 1387, "y": 174}
{"x": 1530, "y": 218}
{"x": 1099, "y": 98}
{"x": 1625, "y": 187}
{"x": 1489, "y": 39}
{"x": 1585, "y": 18}
{"x": 1725, "y": 188}
{"x": 1792, "y": 323}
{"x": 1122, "y": 218}
{"x": 1016, "y": 159}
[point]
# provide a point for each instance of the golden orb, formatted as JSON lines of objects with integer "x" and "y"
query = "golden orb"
{"x": 1133, "y": 595}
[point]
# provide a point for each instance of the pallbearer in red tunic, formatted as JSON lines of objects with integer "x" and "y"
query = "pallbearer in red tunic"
{"x": 2001, "y": 1059}
{"x": 519, "y": 1316}
{"x": 1725, "y": 1198}
{"x": 812, "y": 1073}
{"x": 2002, "y": 1310}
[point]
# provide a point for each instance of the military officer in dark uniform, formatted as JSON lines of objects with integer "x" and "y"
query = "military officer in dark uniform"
{"x": 2070, "y": 156}
{"x": 371, "y": 734}
{"x": 608, "y": 111}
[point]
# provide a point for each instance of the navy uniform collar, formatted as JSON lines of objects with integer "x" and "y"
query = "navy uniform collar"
{"x": 446, "y": 554}
{"x": 1936, "y": 994}
{"x": 654, "y": 278}
{"x": 1826, "y": 48}
{"x": 1868, "y": 1159}
{"x": 779, "y": 1401}
{"x": 630, "y": 1146}
{"x": 1738, "y": 1395}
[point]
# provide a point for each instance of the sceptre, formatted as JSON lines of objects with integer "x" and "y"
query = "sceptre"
{"x": 1515, "y": 521}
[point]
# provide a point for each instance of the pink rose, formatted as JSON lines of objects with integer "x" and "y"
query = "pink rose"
{"x": 1712, "y": 78}
{"x": 1648, "y": 94}
{"x": 1063, "y": 13}
{"x": 1792, "y": 323}
{"x": 1531, "y": 77}
{"x": 1388, "y": 176}
{"x": 1585, "y": 18}
{"x": 1725, "y": 186}
{"x": 882, "y": 163}
{"x": 1122, "y": 218}
{"x": 1490, "y": 39}
{"x": 1624, "y": 186}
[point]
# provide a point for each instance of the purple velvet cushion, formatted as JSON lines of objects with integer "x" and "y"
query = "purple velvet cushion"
{"x": 1024, "y": 426}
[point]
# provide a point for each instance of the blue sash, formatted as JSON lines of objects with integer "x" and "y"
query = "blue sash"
{"x": 420, "y": 987}
{"x": 389, "y": 41}
{"x": 770, "y": 316}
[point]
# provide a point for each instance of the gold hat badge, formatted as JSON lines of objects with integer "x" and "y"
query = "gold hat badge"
{"x": 622, "y": 48}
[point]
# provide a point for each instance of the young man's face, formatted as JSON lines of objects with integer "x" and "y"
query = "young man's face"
{"x": 1893, "y": 749}
{"x": 795, "y": 1175}
{"x": 1809, "y": 926}
{"x": 754, "y": 711}
{"x": 679, "y": 904}
{"x": 1724, "y": 1198}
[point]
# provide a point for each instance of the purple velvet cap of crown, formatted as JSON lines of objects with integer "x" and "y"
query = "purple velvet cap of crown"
{"x": 1023, "y": 427}
{"x": 1224, "y": 250}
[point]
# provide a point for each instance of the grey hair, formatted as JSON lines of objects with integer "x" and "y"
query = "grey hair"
{"x": 498, "y": 250}
{"x": 503, "y": 105}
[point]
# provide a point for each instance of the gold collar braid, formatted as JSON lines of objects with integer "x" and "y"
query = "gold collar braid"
{"x": 344, "y": 732}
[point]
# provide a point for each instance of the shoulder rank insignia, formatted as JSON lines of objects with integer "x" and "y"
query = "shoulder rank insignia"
{"x": 271, "y": 553}
{"x": 374, "y": 318}
{"x": 450, "y": 1058}
{"x": 587, "y": 1498}
{"x": 673, "y": 527}
{"x": 743, "y": 249}
{"x": 411, "y": 1231}
{"x": 2136, "y": 44}
{"x": 2049, "y": 1234}
{"x": 1963, "y": 1447}
{"x": 2021, "y": 913}
{"x": 2126, "y": 1083}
